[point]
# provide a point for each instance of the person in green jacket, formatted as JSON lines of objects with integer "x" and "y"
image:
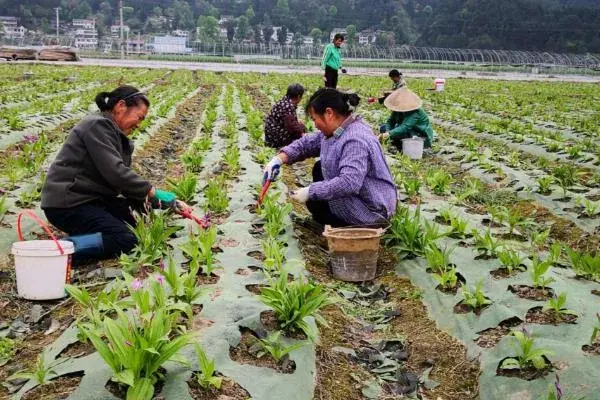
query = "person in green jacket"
{"x": 332, "y": 61}
{"x": 408, "y": 118}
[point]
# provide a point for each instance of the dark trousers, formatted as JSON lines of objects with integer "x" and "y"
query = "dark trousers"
{"x": 331, "y": 76}
{"x": 319, "y": 208}
{"x": 109, "y": 217}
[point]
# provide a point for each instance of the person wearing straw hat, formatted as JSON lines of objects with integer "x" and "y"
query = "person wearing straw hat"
{"x": 408, "y": 118}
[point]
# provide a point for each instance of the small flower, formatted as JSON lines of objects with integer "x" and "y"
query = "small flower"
{"x": 162, "y": 265}
{"x": 137, "y": 284}
{"x": 526, "y": 331}
{"x": 160, "y": 279}
{"x": 128, "y": 343}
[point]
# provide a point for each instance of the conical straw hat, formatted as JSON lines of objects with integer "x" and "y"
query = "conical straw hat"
{"x": 403, "y": 100}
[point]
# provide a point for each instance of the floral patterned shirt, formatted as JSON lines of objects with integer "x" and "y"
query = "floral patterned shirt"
{"x": 281, "y": 124}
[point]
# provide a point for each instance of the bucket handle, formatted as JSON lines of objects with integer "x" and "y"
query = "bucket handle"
{"x": 41, "y": 223}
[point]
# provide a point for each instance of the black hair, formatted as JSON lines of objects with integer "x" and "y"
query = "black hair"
{"x": 106, "y": 101}
{"x": 339, "y": 36}
{"x": 295, "y": 90}
{"x": 340, "y": 102}
{"x": 395, "y": 73}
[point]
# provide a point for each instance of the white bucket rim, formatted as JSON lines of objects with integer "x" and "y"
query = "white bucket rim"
{"x": 41, "y": 248}
{"x": 414, "y": 139}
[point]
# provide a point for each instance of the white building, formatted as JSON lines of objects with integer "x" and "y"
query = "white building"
{"x": 115, "y": 30}
{"x": 308, "y": 40}
{"x": 368, "y": 37}
{"x": 11, "y": 27}
{"x": 85, "y": 34}
{"x": 180, "y": 33}
{"x": 170, "y": 44}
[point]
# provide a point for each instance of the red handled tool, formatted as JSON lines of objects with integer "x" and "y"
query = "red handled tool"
{"x": 203, "y": 222}
{"x": 263, "y": 192}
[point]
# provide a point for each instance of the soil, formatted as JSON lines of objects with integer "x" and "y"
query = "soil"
{"x": 207, "y": 279}
{"x": 489, "y": 338}
{"x": 502, "y": 273}
{"x": 77, "y": 350}
{"x": 242, "y": 355}
{"x": 528, "y": 374}
{"x": 59, "y": 388}
{"x": 538, "y": 315}
{"x": 120, "y": 390}
{"x": 593, "y": 348}
{"x": 531, "y": 293}
{"x": 462, "y": 308}
{"x": 596, "y": 292}
{"x": 255, "y": 288}
{"x": 257, "y": 255}
{"x": 230, "y": 390}
{"x": 269, "y": 320}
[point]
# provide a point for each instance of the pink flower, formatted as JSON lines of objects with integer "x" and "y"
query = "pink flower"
{"x": 162, "y": 265}
{"x": 160, "y": 279}
{"x": 137, "y": 284}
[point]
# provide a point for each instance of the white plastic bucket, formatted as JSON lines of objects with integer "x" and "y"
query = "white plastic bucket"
{"x": 413, "y": 147}
{"x": 42, "y": 271}
{"x": 439, "y": 84}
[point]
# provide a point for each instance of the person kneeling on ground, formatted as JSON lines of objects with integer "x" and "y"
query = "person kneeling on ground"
{"x": 352, "y": 183}
{"x": 397, "y": 83}
{"x": 91, "y": 188}
{"x": 281, "y": 125}
{"x": 407, "y": 120}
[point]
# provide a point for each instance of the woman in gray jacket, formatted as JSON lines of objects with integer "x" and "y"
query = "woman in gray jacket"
{"x": 91, "y": 188}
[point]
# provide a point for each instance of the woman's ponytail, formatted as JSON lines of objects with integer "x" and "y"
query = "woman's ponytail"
{"x": 102, "y": 99}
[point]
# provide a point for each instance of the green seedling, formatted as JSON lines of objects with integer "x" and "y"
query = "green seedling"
{"x": 231, "y": 157}
{"x": 192, "y": 161}
{"x": 528, "y": 354}
{"x": 183, "y": 284}
{"x": 596, "y": 329}
{"x": 42, "y": 372}
{"x": 273, "y": 346}
{"x": 590, "y": 208}
{"x": 294, "y": 301}
{"x": 206, "y": 374}
{"x": 471, "y": 188}
{"x": 586, "y": 265}
{"x": 275, "y": 213}
{"x": 438, "y": 259}
{"x": 274, "y": 253}
{"x": 557, "y": 307}
{"x": 497, "y": 214}
{"x": 152, "y": 232}
{"x": 544, "y": 185}
{"x": 566, "y": 176}
{"x": 447, "y": 278}
{"x": 511, "y": 260}
{"x": 513, "y": 159}
{"x": 487, "y": 245}
{"x": 439, "y": 181}
{"x": 264, "y": 155}
{"x": 553, "y": 146}
{"x": 574, "y": 152}
{"x": 446, "y": 215}
{"x": 459, "y": 228}
{"x": 515, "y": 219}
{"x": 555, "y": 252}
{"x": 3, "y": 208}
{"x": 412, "y": 185}
{"x": 475, "y": 299}
{"x": 7, "y": 350}
{"x": 539, "y": 239}
{"x": 538, "y": 272}
{"x": 184, "y": 187}
{"x": 27, "y": 198}
{"x": 216, "y": 197}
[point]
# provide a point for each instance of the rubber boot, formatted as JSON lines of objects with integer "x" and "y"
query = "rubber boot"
{"x": 87, "y": 247}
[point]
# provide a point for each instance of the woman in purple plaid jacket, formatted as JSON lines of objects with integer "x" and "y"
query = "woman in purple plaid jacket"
{"x": 352, "y": 183}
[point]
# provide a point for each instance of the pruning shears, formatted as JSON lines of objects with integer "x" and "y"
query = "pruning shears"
{"x": 203, "y": 222}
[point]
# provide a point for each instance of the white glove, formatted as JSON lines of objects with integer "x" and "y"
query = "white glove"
{"x": 300, "y": 195}
{"x": 272, "y": 169}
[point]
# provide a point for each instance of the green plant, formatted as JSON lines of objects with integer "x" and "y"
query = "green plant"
{"x": 475, "y": 299}
{"x": 514, "y": 218}
{"x": 565, "y": 176}
{"x": 206, "y": 373}
{"x": 471, "y": 188}
{"x": 192, "y": 161}
{"x": 42, "y": 372}
{"x": 152, "y": 233}
{"x": 590, "y": 208}
{"x": 294, "y": 301}
{"x": 274, "y": 253}
{"x": 511, "y": 260}
{"x": 439, "y": 181}
{"x": 556, "y": 306}
{"x": 231, "y": 157}
{"x": 446, "y": 215}
{"x": 538, "y": 272}
{"x": 184, "y": 187}
{"x": 215, "y": 195}
{"x": 273, "y": 346}
{"x": 264, "y": 155}
{"x": 487, "y": 245}
{"x": 274, "y": 213}
{"x": 412, "y": 185}
{"x": 447, "y": 278}
{"x": 528, "y": 354}
{"x": 136, "y": 355}
{"x": 3, "y": 208}
{"x": 7, "y": 350}
{"x": 544, "y": 184}
{"x": 459, "y": 228}
{"x": 538, "y": 239}
{"x": 198, "y": 250}
{"x": 596, "y": 330}
{"x": 574, "y": 151}
{"x": 28, "y": 197}
{"x": 438, "y": 259}
{"x": 406, "y": 235}
{"x": 183, "y": 285}
{"x": 586, "y": 265}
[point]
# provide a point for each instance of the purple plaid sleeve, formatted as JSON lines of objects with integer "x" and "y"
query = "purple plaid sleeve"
{"x": 353, "y": 163}
{"x": 307, "y": 146}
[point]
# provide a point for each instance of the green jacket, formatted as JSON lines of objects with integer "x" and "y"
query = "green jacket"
{"x": 331, "y": 57}
{"x": 412, "y": 123}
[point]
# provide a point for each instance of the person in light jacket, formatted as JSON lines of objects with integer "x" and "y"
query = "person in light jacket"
{"x": 91, "y": 188}
{"x": 332, "y": 61}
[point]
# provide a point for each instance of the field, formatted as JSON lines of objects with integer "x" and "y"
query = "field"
{"x": 489, "y": 275}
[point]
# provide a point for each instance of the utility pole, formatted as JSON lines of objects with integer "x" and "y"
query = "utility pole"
{"x": 121, "y": 18}
{"x": 57, "y": 25}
